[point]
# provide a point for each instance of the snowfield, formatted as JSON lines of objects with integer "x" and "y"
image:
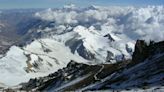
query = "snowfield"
{"x": 18, "y": 67}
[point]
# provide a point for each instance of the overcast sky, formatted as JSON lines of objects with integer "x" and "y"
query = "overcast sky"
{"x": 81, "y": 3}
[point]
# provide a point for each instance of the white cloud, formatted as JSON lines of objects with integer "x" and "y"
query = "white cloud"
{"x": 135, "y": 23}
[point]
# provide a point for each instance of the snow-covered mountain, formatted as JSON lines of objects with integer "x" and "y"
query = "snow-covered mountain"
{"x": 51, "y": 38}
{"x": 141, "y": 74}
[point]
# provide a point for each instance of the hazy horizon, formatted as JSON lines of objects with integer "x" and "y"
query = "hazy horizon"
{"x": 25, "y": 4}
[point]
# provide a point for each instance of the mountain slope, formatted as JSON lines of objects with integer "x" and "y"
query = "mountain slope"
{"x": 37, "y": 59}
{"x": 48, "y": 40}
{"x": 141, "y": 74}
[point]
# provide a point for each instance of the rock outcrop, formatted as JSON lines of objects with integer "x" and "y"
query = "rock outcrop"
{"x": 144, "y": 50}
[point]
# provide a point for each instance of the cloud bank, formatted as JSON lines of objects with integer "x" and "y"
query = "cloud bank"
{"x": 135, "y": 23}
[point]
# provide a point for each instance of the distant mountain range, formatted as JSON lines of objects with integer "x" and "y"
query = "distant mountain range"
{"x": 73, "y": 44}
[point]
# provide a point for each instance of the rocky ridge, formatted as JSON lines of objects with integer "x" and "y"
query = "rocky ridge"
{"x": 144, "y": 71}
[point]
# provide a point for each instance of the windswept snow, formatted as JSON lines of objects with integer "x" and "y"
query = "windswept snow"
{"x": 56, "y": 50}
{"x": 14, "y": 65}
{"x": 11, "y": 67}
{"x": 97, "y": 43}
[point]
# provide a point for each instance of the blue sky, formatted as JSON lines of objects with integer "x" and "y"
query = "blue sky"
{"x": 82, "y": 3}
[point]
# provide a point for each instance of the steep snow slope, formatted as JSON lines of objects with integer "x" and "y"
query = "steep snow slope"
{"x": 50, "y": 54}
{"x": 12, "y": 66}
{"x": 92, "y": 45}
{"x": 39, "y": 58}
{"x": 96, "y": 43}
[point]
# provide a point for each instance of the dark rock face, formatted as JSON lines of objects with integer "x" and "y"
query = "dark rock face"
{"x": 84, "y": 53}
{"x": 109, "y": 56}
{"x": 157, "y": 48}
{"x": 77, "y": 45}
{"x": 143, "y": 50}
{"x": 109, "y": 37}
